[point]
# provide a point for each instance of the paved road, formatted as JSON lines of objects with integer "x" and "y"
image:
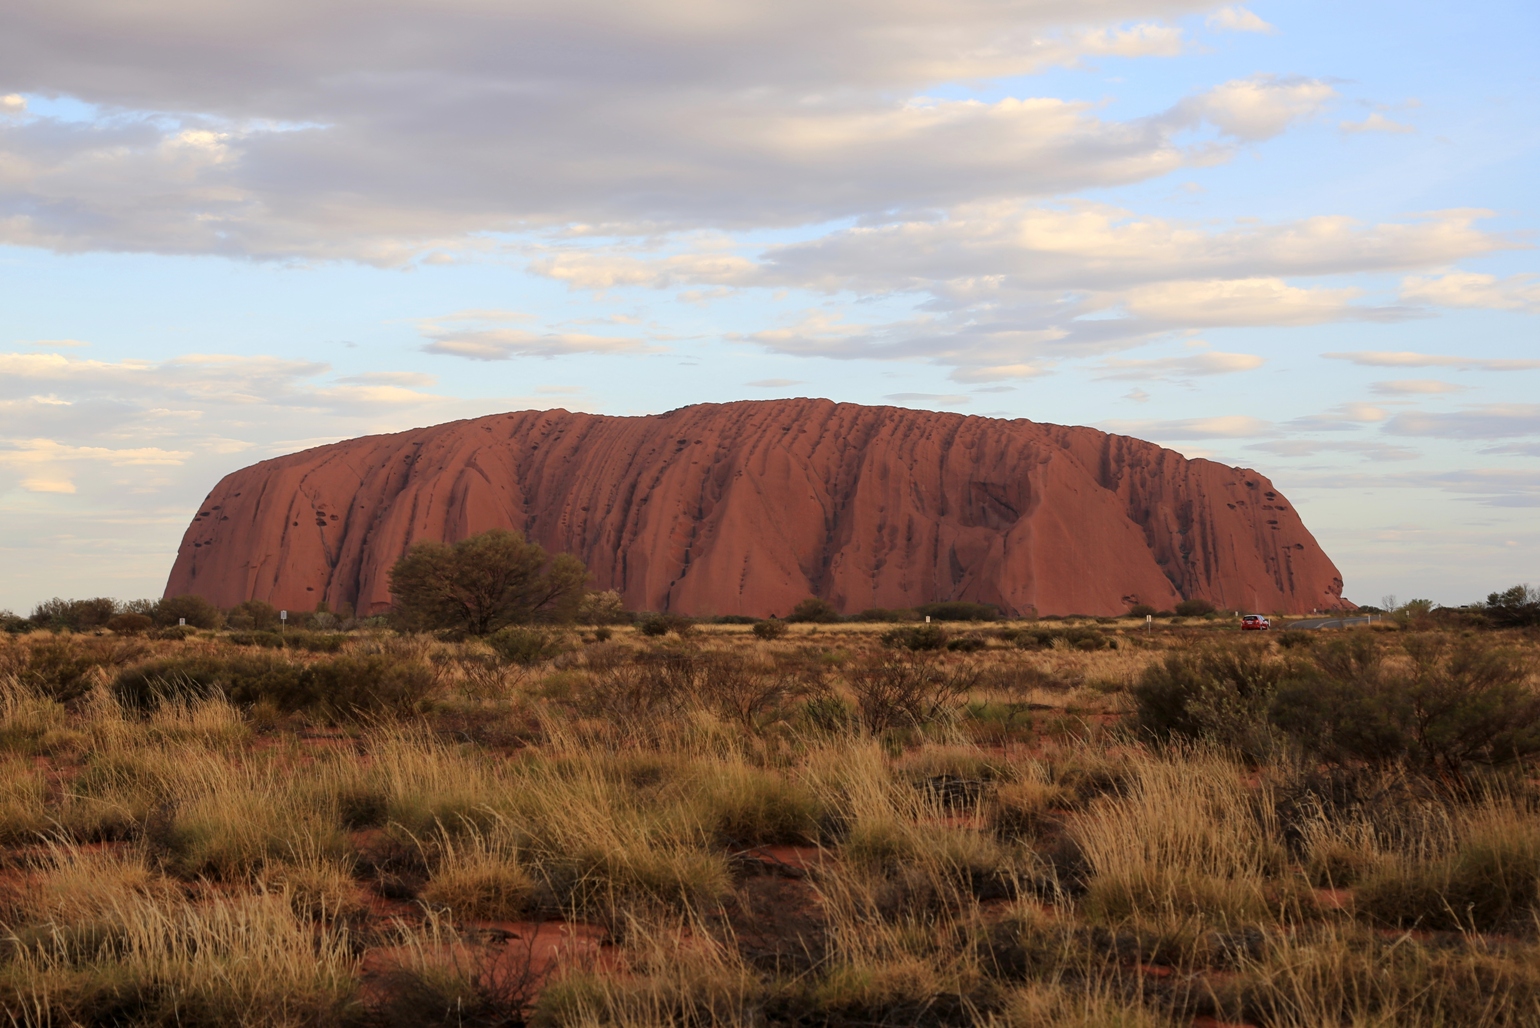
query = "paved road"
{"x": 1328, "y": 623}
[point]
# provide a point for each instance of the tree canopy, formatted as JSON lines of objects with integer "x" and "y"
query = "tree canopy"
{"x": 484, "y": 583}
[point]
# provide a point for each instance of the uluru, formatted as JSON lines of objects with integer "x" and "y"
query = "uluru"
{"x": 750, "y": 507}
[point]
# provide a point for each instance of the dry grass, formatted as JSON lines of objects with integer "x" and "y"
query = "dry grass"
{"x": 751, "y": 850}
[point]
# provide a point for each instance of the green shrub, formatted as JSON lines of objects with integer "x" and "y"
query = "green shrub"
{"x": 1450, "y": 705}
{"x": 130, "y": 624}
{"x": 62, "y": 668}
{"x": 815, "y": 611}
{"x": 902, "y": 691}
{"x": 339, "y": 686}
{"x": 1074, "y": 638}
{"x": 769, "y": 629}
{"x": 1491, "y": 882}
{"x": 75, "y": 615}
{"x": 1194, "y": 608}
{"x": 484, "y": 583}
{"x": 958, "y": 610}
{"x": 524, "y": 645}
{"x": 314, "y": 642}
{"x": 915, "y": 637}
{"x": 966, "y": 644}
{"x": 148, "y": 685}
{"x": 266, "y": 640}
{"x": 255, "y": 614}
{"x": 1140, "y": 610}
{"x": 1514, "y": 608}
{"x": 661, "y": 624}
{"x": 885, "y": 615}
{"x": 372, "y": 682}
{"x": 1219, "y": 694}
{"x": 198, "y": 612}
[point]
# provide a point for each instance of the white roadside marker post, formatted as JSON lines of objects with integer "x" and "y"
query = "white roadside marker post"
{"x": 283, "y": 620}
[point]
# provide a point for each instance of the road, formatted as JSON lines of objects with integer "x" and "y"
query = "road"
{"x": 1330, "y": 623}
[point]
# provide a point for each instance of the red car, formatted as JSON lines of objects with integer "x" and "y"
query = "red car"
{"x": 1255, "y": 622}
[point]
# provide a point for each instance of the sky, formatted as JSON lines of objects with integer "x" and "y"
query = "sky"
{"x": 1293, "y": 236}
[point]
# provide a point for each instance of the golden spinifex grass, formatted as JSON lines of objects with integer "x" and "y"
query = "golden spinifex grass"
{"x": 720, "y": 829}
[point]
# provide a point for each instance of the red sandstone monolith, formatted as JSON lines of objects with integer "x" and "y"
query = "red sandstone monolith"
{"x": 746, "y": 508}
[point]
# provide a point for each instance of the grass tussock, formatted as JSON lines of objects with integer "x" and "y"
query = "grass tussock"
{"x": 1079, "y": 826}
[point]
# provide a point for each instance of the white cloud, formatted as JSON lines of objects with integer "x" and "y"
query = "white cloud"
{"x": 500, "y": 344}
{"x": 1487, "y": 421}
{"x": 476, "y": 335}
{"x": 929, "y": 399}
{"x": 1469, "y": 289}
{"x": 13, "y": 103}
{"x": 773, "y": 383}
{"x": 1257, "y": 108}
{"x": 1005, "y": 286}
{"x": 1236, "y": 18}
{"x": 1341, "y": 418}
{"x": 1247, "y": 301}
{"x": 1202, "y": 364}
{"x": 1375, "y": 123}
{"x": 1414, "y": 387}
{"x": 1409, "y": 359}
{"x": 1312, "y": 447}
{"x": 1231, "y": 426}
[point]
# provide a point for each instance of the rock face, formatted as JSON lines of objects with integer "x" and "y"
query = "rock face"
{"x": 747, "y": 508}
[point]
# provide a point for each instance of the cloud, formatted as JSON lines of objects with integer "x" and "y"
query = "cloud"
{"x": 1237, "y": 19}
{"x": 412, "y": 137}
{"x": 500, "y": 344}
{"x": 773, "y": 383}
{"x": 1409, "y": 359}
{"x": 474, "y": 335}
{"x": 1232, "y": 426}
{"x": 1257, "y": 108}
{"x": 1414, "y": 387}
{"x": 1012, "y": 285}
{"x": 1341, "y": 418}
{"x": 70, "y": 343}
{"x": 1487, "y": 421}
{"x": 1312, "y": 447}
{"x": 1468, "y": 289}
{"x": 1202, "y": 364}
{"x": 1375, "y": 123}
{"x": 1247, "y": 301}
{"x": 929, "y": 399}
{"x": 13, "y": 103}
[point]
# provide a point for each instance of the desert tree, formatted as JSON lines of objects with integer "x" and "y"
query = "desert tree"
{"x": 485, "y": 582}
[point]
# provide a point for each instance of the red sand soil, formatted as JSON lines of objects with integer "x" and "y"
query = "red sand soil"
{"x": 750, "y": 507}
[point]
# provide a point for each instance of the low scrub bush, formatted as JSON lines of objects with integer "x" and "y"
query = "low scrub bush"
{"x": 916, "y": 637}
{"x": 769, "y": 629}
{"x": 336, "y": 687}
{"x": 1194, "y": 608}
{"x": 958, "y": 610}
{"x": 657, "y": 625}
{"x": 130, "y": 623}
{"x": 886, "y": 615}
{"x": 900, "y": 691}
{"x": 1219, "y": 694}
{"x": 1444, "y": 706}
{"x": 1072, "y": 638}
{"x": 525, "y": 645}
{"x": 64, "y": 668}
{"x": 815, "y": 611}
